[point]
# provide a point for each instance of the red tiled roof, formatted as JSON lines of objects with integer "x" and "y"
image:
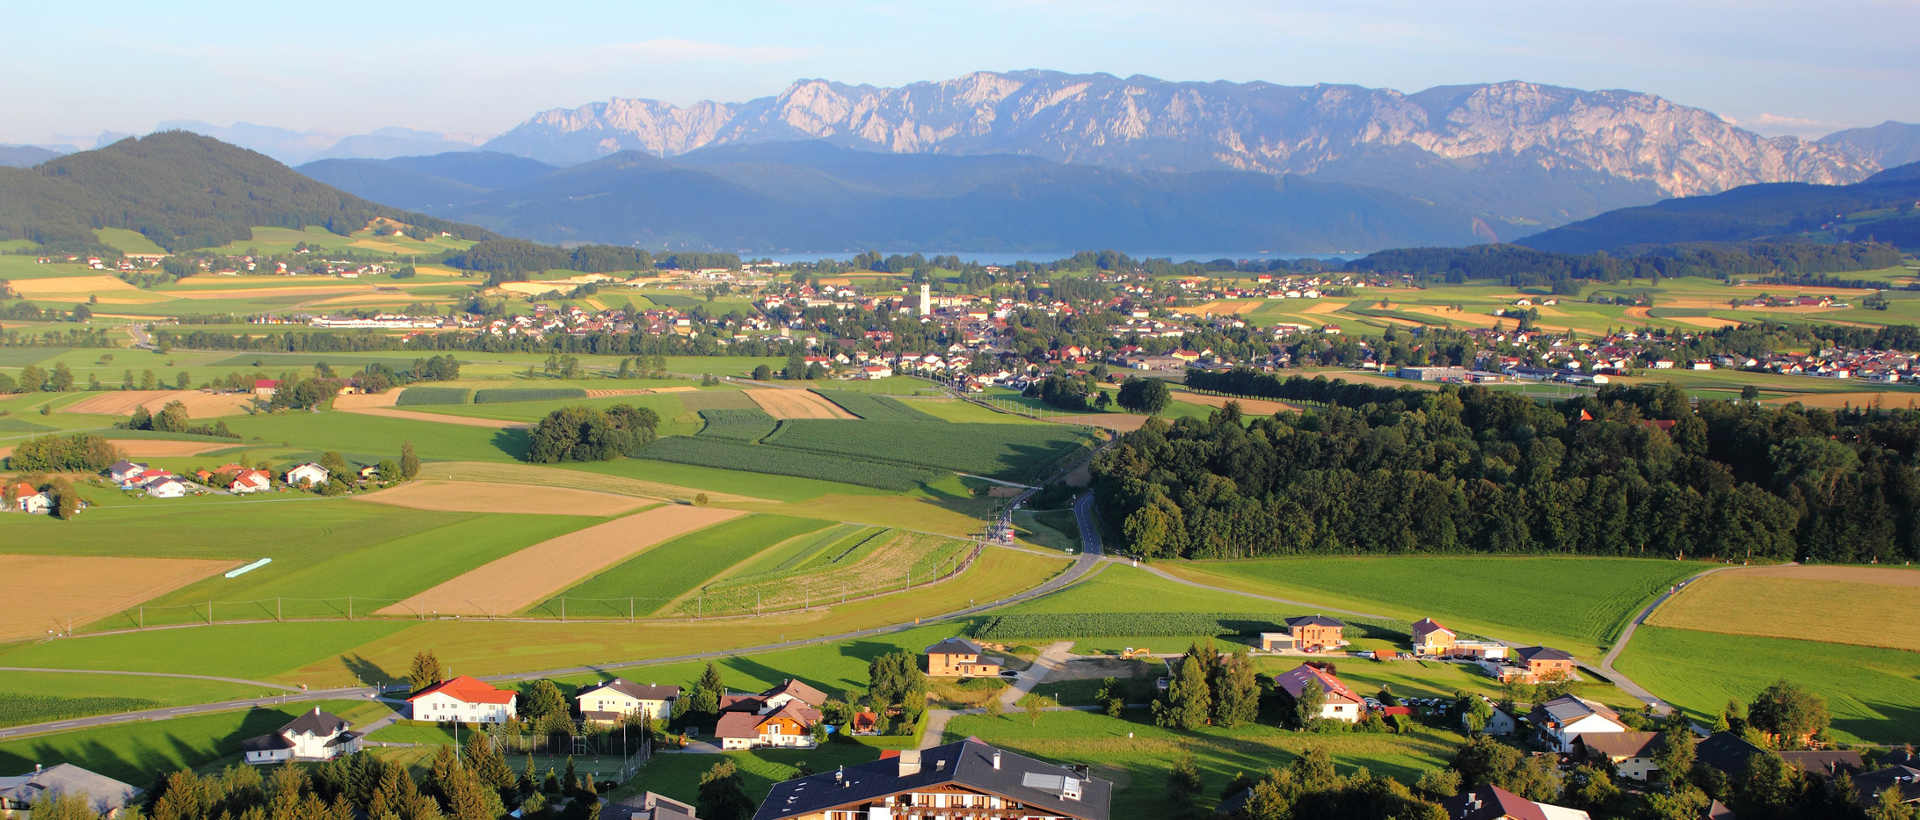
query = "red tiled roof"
{"x": 1295, "y": 681}
{"x": 467, "y": 689}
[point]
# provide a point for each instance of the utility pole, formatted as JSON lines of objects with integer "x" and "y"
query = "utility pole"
{"x": 276, "y": 609}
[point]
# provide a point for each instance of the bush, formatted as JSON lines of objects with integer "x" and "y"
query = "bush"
{"x": 80, "y": 452}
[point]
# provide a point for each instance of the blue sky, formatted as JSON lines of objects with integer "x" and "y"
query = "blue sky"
{"x": 477, "y": 68}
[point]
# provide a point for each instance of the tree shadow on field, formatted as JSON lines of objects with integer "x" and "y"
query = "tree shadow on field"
{"x": 367, "y": 671}
{"x": 513, "y": 441}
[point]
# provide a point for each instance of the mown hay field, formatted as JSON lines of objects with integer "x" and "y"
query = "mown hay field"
{"x": 1847, "y": 605}
{"x": 50, "y": 593}
{"x": 481, "y": 497}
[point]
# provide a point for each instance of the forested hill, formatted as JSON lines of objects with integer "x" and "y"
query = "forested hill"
{"x": 1630, "y": 471}
{"x": 1880, "y": 208}
{"x": 182, "y": 191}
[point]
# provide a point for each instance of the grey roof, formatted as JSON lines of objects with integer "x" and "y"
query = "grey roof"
{"x": 631, "y": 689}
{"x": 265, "y": 743}
{"x": 1905, "y": 778}
{"x": 1569, "y": 708}
{"x": 125, "y": 466}
{"x": 967, "y": 763}
{"x": 1313, "y": 620}
{"x": 316, "y": 722}
{"x": 1490, "y": 803}
{"x": 650, "y": 806}
{"x": 1725, "y": 751}
{"x": 102, "y": 792}
{"x": 954, "y": 646}
{"x": 1541, "y": 653}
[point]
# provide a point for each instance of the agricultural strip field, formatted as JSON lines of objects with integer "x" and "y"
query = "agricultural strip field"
{"x": 49, "y": 593}
{"x": 436, "y": 418}
{"x": 1008, "y": 452}
{"x": 859, "y": 564}
{"x": 468, "y": 496}
{"x": 255, "y": 651}
{"x": 369, "y": 438}
{"x": 155, "y": 447}
{"x": 39, "y": 697}
{"x": 432, "y": 395}
{"x": 526, "y": 577}
{"x": 499, "y": 395}
{"x": 796, "y": 404}
{"x": 736, "y": 425}
{"x": 874, "y": 407}
{"x": 707, "y": 451}
{"x": 1575, "y": 604}
{"x": 199, "y": 404}
{"x": 1871, "y": 693}
{"x": 531, "y": 474}
{"x": 1799, "y": 602}
{"x": 677, "y": 568}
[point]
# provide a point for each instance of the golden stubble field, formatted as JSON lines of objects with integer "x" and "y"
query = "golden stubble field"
{"x": 796, "y": 404}
{"x": 527, "y": 577}
{"x": 1864, "y": 606}
{"x": 47, "y": 592}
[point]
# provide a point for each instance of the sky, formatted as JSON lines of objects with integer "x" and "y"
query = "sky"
{"x": 474, "y": 69}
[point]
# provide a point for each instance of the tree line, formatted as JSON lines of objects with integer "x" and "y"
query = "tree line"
{"x": 1521, "y": 266}
{"x": 1629, "y": 471}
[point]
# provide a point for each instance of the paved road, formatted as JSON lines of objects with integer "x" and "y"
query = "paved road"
{"x": 1605, "y": 668}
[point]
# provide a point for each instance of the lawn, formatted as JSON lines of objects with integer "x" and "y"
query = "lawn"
{"x": 1136, "y": 755}
{"x": 1576, "y": 604}
{"x": 138, "y": 752}
{"x": 660, "y": 575}
{"x": 1872, "y": 694}
{"x": 678, "y": 775}
{"x": 371, "y": 438}
{"x": 253, "y": 651}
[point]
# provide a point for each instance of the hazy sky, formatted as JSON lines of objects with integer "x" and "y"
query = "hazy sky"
{"x": 70, "y": 70}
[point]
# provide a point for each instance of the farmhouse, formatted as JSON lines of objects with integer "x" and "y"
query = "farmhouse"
{"x": 123, "y": 471}
{"x": 167, "y": 487}
{"x": 1531, "y": 664}
{"x": 1431, "y": 639}
{"x": 1337, "y": 701}
{"x": 265, "y": 388}
{"x": 1564, "y": 719}
{"x": 615, "y": 700}
{"x": 782, "y": 716}
{"x": 464, "y": 699}
{"x": 1627, "y": 754}
{"x": 307, "y": 475}
{"x": 315, "y": 735}
{"x": 104, "y": 795}
{"x": 1491, "y": 802}
{"x": 250, "y": 481}
{"x": 962, "y": 779}
{"x": 959, "y": 657}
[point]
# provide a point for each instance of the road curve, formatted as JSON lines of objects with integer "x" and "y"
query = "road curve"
{"x": 1626, "y": 684}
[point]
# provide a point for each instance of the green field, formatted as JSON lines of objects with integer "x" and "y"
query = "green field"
{"x": 875, "y": 407}
{"x": 369, "y": 439}
{"x": 707, "y": 451}
{"x": 738, "y": 425}
{"x": 1872, "y": 694}
{"x": 434, "y": 395}
{"x": 1011, "y": 452}
{"x": 136, "y": 752}
{"x": 862, "y": 563}
{"x": 677, "y": 567}
{"x": 252, "y": 651}
{"x": 1576, "y": 604}
{"x": 35, "y": 697}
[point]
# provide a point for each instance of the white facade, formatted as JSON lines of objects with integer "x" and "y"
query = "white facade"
{"x": 441, "y": 707}
{"x": 310, "y": 474}
{"x": 36, "y": 504}
{"x": 1562, "y": 737}
{"x": 166, "y": 488}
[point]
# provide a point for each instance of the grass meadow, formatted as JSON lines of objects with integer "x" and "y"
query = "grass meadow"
{"x": 671, "y": 570}
{"x": 35, "y": 697}
{"x": 136, "y": 752}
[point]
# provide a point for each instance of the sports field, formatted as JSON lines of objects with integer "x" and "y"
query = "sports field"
{"x": 1830, "y": 604}
{"x": 527, "y": 576}
{"x": 52, "y": 593}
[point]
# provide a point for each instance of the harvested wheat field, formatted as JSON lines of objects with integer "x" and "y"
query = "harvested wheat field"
{"x": 67, "y": 285}
{"x": 437, "y": 418}
{"x": 1798, "y": 602}
{"x": 199, "y": 404}
{"x": 796, "y": 404}
{"x": 525, "y": 578}
{"x": 155, "y": 447}
{"x": 362, "y": 401}
{"x": 1322, "y": 307}
{"x": 467, "y": 496}
{"x": 633, "y": 391}
{"x": 50, "y": 591}
{"x": 1117, "y": 422}
{"x": 1251, "y": 407}
{"x": 1226, "y": 307}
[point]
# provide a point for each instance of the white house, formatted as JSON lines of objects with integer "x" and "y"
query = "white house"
{"x": 464, "y": 699}
{"x": 166, "y": 488}
{"x": 315, "y": 735}
{"x": 36, "y": 504}
{"x": 123, "y": 471}
{"x": 1337, "y": 701}
{"x": 251, "y": 481}
{"x": 615, "y": 700}
{"x": 308, "y": 474}
{"x": 1564, "y": 719}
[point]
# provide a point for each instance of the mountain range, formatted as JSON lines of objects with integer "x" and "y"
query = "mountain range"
{"x": 818, "y": 197}
{"x": 1515, "y": 153}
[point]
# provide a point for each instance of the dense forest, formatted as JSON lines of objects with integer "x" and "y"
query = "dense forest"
{"x": 182, "y": 191}
{"x": 1629, "y": 471}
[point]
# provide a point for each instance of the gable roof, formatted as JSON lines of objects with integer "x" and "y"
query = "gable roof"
{"x": 1824, "y": 762}
{"x": 1428, "y": 625}
{"x": 954, "y": 646}
{"x": 467, "y": 689}
{"x": 1490, "y": 802}
{"x": 968, "y": 764}
{"x": 1726, "y": 751}
{"x": 1297, "y": 679}
{"x": 737, "y": 724}
{"x": 1905, "y": 778}
{"x": 793, "y": 686}
{"x": 1621, "y": 744}
{"x": 1569, "y": 708}
{"x": 632, "y": 690}
{"x": 1313, "y": 620}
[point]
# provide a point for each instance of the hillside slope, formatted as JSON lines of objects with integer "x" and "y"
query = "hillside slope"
{"x": 812, "y": 196}
{"x": 182, "y": 191}
{"x": 1881, "y": 208}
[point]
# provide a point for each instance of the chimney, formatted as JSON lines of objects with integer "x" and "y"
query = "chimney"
{"x": 840, "y": 776}
{"x": 996, "y": 760}
{"x": 940, "y": 765}
{"x": 909, "y": 762}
